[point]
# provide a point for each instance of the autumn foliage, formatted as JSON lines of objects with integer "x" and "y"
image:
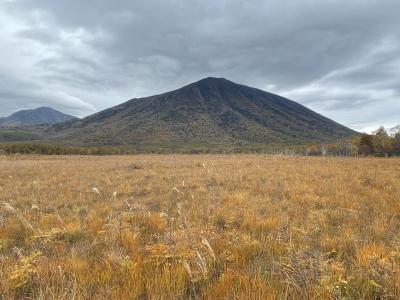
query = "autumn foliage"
{"x": 199, "y": 227}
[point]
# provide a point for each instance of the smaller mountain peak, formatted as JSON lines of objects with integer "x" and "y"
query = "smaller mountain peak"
{"x": 43, "y": 109}
{"x": 40, "y": 115}
{"x": 38, "y": 109}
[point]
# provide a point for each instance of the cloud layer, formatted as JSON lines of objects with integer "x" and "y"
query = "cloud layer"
{"x": 340, "y": 58}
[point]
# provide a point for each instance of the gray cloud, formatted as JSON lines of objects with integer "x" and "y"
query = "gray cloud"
{"x": 340, "y": 58}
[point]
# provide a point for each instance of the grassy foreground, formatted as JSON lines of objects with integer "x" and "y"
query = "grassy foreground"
{"x": 199, "y": 227}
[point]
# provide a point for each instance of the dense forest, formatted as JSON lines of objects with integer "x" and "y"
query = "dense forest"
{"x": 41, "y": 149}
{"x": 380, "y": 143}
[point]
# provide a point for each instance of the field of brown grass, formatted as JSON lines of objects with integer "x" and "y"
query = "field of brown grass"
{"x": 199, "y": 227}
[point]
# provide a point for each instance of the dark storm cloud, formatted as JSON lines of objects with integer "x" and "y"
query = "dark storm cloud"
{"x": 338, "y": 57}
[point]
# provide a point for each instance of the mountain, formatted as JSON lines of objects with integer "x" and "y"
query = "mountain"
{"x": 210, "y": 111}
{"x": 41, "y": 115}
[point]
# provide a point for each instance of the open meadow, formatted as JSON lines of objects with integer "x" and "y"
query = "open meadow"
{"x": 199, "y": 227}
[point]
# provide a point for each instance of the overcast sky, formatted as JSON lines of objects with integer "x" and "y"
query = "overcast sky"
{"x": 338, "y": 57}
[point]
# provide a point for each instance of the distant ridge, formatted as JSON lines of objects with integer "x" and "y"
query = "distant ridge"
{"x": 210, "y": 111}
{"x": 41, "y": 115}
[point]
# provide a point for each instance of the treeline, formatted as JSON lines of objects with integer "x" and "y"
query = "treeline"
{"x": 8, "y": 149}
{"x": 380, "y": 143}
{"x": 44, "y": 149}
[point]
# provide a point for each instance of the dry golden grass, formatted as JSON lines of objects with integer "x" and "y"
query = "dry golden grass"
{"x": 199, "y": 227}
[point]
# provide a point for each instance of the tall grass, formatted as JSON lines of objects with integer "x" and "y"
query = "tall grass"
{"x": 199, "y": 227}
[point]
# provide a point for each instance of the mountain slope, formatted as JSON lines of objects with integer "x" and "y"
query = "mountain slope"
{"x": 211, "y": 111}
{"x": 41, "y": 115}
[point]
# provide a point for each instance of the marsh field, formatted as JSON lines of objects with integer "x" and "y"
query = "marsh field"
{"x": 199, "y": 227}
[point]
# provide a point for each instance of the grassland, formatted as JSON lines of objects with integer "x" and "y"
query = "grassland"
{"x": 199, "y": 227}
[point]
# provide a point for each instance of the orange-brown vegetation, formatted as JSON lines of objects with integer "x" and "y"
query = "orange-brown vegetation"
{"x": 199, "y": 227}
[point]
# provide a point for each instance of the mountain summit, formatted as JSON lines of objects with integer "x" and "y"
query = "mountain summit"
{"x": 41, "y": 115}
{"x": 210, "y": 111}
